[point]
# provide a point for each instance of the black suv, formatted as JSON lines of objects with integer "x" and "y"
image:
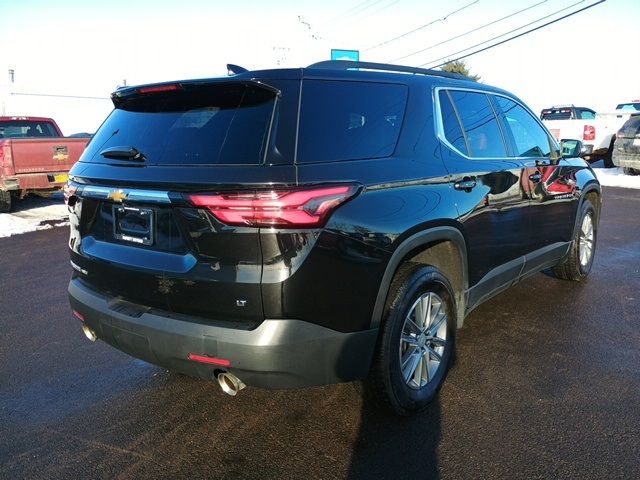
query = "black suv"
{"x": 295, "y": 227}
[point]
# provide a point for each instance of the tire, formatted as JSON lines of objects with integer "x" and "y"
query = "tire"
{"x": 608, "y": 158}
{"x": 578, "y": 263}
{"x": 5, "y": 201}
{"x": 418, "y": 327}
{"x": 631, "y": 171}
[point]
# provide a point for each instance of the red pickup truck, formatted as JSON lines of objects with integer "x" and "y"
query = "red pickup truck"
{"x": 34, "y": 157}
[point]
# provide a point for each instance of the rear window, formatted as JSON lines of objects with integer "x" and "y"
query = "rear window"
{"x": 349, "y": 120}
{"x": 556, "y": 114}
{"x": 215, "y": 124}
{"x": 27, "y": 129}
{"x": 628, "y": 106}
{"x": 631, "y": 127}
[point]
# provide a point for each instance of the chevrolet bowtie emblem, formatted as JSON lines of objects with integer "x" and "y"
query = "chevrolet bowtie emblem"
{"x": 117, "y": 195}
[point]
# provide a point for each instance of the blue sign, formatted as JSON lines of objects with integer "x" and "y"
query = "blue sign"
{"x": 353, "y": 55}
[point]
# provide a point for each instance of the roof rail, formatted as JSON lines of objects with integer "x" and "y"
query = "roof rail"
{"x": 385, "y": 67}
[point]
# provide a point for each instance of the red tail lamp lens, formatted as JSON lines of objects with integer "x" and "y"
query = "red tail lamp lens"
{"x": 589, "y": 132}
{"x": 209, "y": 360}
{"x": 78, "y": 315}
{"x": 283, "y": 209}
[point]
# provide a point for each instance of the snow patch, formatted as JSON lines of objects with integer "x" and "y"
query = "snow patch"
{"x": 34, "y": 213}
{"x": 615, "y": 177}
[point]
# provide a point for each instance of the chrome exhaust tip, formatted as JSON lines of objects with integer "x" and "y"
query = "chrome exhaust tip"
{"x": 90, "y": 334}
{"x": 230, "y": 384}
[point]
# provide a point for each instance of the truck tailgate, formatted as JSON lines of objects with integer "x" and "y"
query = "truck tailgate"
{"x": 46, "y": 155}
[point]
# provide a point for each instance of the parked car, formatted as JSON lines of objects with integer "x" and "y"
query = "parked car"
{"x": 295, "y": 227}
{"x": 34, "y": 157}
{"x": 634, "y": 105}
{"x": 595, "y": 130}
{"x": 626, "y": 150}
{"x": 567, "y": 112}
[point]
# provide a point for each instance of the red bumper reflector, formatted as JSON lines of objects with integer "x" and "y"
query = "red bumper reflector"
{"x": 78, "y": 315}
{"x": 210, "y": 360}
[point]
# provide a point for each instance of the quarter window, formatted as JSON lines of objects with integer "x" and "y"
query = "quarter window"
{"x": 349, "y": 120}
{"x": 529, "y": 137}
{"x": 481, "y": 129}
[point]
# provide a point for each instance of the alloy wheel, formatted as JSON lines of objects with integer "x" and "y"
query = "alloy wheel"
{"x": 423, "y": 340}
{"x": 586, "y": 240}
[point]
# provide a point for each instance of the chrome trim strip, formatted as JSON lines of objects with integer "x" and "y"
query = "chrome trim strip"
{"x": 130, "y": 195}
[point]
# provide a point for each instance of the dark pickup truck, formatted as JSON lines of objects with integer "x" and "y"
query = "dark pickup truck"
{"x": 34, "y": 157}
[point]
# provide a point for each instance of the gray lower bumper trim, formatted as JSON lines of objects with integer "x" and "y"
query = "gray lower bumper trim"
{"x": 279, "y": 353}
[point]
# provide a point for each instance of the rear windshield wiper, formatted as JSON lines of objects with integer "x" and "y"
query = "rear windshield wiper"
{"x": 124, "y": 153}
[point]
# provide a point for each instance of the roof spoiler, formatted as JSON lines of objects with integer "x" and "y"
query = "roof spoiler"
{"x": 235, "y": 69}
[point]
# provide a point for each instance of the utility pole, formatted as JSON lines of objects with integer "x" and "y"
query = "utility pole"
{"x": 6, "y": 94}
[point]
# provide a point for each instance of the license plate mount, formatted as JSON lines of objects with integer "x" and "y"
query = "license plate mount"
{"x": 133, "y": 224}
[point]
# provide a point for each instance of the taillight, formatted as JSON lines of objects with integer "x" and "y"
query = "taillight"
{"x": 159, "y": 88}
{"x": 589, "y": 132}
{"x": 299, "y": 208}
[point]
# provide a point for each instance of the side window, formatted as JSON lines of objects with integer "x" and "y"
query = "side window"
{"x": 587, "y": 114}
{"x": 484, "y": 138}
{"x": 530, "y": 139}
{"x": 451, "y": 125}
{"x": 349, "y": 120}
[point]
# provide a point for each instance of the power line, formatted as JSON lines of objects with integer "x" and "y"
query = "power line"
{"x": 349, "y": 10}
{"x": 377, "y": 11}
{"x": 470, "y": 31}
{"x": 506, "y": 33}
{"x": 422, "y": 26}
{"x": 357, "y": 11}
{"x": 512, "y": 38}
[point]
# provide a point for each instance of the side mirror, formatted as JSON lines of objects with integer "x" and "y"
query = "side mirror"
{"x": 571, "y": 148}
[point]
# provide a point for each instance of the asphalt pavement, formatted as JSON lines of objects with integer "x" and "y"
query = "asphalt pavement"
{"x": 546, "y": 385}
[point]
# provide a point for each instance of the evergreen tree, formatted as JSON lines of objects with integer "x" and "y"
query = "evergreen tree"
{"x": 459, "y": 66}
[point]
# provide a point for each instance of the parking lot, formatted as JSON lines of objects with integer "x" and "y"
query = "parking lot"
{"x": 546, "y": 385}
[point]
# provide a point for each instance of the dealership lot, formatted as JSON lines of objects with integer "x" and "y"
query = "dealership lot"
{"x": 546, "y": 385}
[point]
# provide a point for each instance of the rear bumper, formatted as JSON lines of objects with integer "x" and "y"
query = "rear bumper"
{"x": 279, "y": 353}
{"x": 35, "y": 181}
{"x": 628, "y": 160}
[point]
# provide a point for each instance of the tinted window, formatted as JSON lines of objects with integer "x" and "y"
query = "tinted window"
{"x": 480, "y": 124}
{"x": 202, "y": 124}
{"x": 349, "y": 120}
{"x": 529, "y": 137}
{"x": 556, "y": 114}
{"x": 628, "y": 106}
{"x": 631, "y": 127}
{"x": 587, "y": 114}
{"x": 26, "y": 129}
{"x": 451, "y": 125}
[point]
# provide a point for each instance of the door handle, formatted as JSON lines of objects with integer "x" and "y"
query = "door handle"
{"x": 535, "y": 177}
{"x": 466, "y": 184}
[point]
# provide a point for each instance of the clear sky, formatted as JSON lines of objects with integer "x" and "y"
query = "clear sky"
{"x": 88, "y": 48}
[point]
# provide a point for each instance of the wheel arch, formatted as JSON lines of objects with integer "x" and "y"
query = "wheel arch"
{"x": 441, "y": 247}
{"x": 593, "y": 193}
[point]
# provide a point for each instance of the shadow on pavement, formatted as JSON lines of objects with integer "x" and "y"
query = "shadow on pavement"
{"x": 394, "y": 447}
